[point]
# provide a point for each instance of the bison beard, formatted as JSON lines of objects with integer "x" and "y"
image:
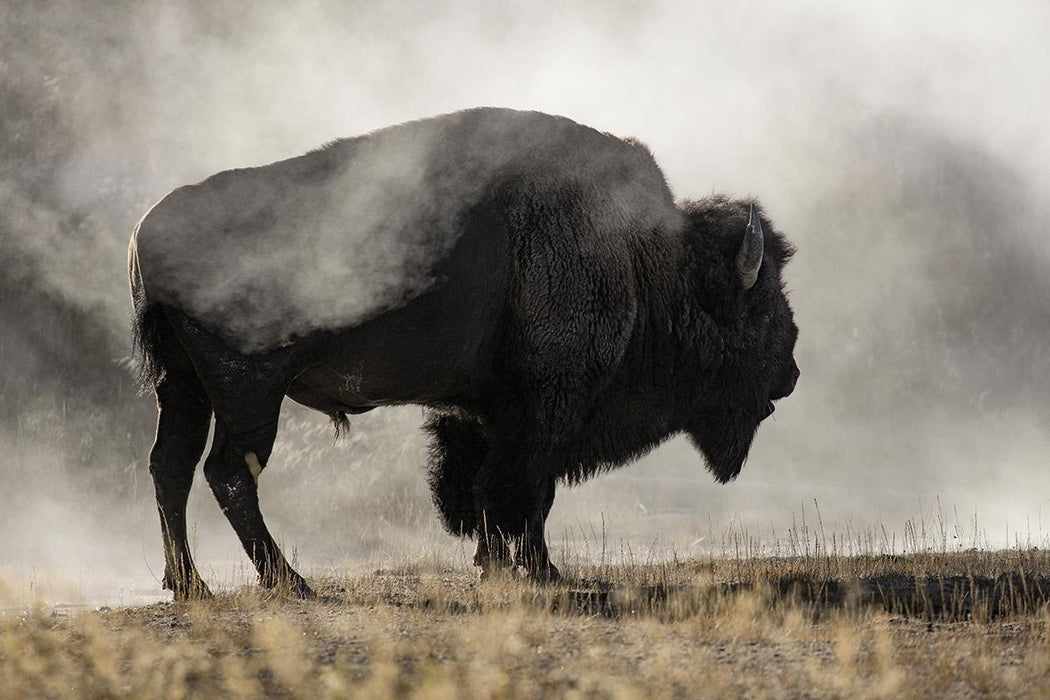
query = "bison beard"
{"x": 724, "y": 439}
{"x": 535, "y": 286}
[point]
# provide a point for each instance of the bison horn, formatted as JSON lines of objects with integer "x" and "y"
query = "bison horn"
{"x": 749, "y": 257}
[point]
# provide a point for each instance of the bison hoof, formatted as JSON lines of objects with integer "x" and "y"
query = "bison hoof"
{"x": 494, "y": 569}
{"x": 292, "y": 585}
{"x": 493, "y": 573}
{"x": 189, "y": 590}
{"x": 545, "y": 574}
{"x": 302, "y": 590}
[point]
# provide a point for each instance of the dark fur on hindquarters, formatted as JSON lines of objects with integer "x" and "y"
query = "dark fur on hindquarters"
{"x": 457, "y": 449}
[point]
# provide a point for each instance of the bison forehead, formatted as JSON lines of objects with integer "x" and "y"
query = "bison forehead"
{"x": 330, "y": 239}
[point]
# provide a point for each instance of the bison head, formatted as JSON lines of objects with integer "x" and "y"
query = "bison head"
{"x": 747, "y": 319}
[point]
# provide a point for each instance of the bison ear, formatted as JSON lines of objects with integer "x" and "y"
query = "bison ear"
{"x": 749, "y": 257}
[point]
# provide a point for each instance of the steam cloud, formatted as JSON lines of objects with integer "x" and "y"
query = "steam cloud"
{"x": 901, "y": 148}
{"x": 332, "y": 238}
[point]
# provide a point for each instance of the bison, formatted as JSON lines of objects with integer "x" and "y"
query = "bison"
{"x": 529, "y": 280}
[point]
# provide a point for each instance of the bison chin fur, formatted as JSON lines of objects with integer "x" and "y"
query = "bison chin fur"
{"x": 724, "y": 439}
{"x": 457, "y": 449}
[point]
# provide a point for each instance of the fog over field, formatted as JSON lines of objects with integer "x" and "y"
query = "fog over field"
{"x": 903, "y": 150}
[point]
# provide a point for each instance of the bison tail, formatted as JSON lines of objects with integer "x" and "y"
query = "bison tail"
{"x": 149, "y": 328}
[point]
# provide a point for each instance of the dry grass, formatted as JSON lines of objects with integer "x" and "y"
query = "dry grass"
{"x": 822, "y": 625}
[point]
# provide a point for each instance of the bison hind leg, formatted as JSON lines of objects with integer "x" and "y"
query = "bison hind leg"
{"x": 184, "y": 417}
{"x": 457, "y": 449}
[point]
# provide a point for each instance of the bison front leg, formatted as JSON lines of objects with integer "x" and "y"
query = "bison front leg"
{"x": 458, "y": 451}
{"x": 493, "y": 553}
{"x": 533, "y": 554}
{"x": 516, "y": 494}
{"x": 515, "y": 489}
{"x": 233, "y": 467}
{"x": 508, "y": 495}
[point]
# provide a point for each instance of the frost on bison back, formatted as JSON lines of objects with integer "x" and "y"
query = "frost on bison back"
{"x": 527, "y": 278}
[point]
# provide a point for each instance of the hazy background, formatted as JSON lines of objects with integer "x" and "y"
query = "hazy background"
{"x": 903, "y": 149}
